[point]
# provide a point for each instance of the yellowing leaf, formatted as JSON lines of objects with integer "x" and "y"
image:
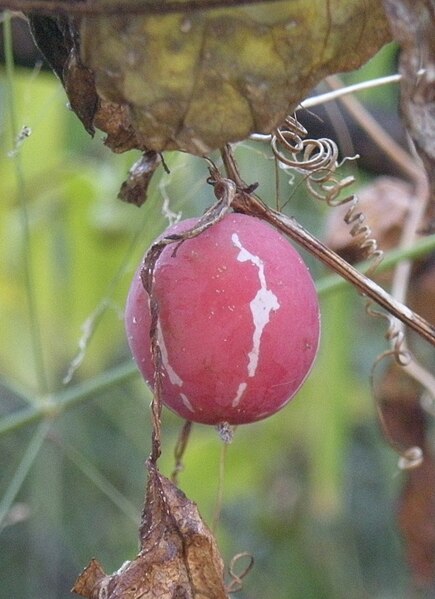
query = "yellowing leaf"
{"x": 195, "y": 79}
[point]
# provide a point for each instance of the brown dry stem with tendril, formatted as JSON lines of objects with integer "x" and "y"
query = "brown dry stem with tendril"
{"x": 245, "y": 201}
{"x": 317, "y": 160}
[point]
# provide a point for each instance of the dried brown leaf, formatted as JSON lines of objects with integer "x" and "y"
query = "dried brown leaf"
{"x": 134, "y": 189}
{"x": 178, "y": 555}
{"x": 413, "y": 26}
{"x": 51, "y": 35}
{"x": 114, "y": 119}
{"x": 79, "y": 85}
{"x": 407, "y": 425}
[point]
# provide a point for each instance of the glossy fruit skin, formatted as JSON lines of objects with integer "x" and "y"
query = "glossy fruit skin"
{"x": 239, "y": 322}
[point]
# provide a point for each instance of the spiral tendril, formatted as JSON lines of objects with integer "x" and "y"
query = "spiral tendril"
{"x": 317, "y": 161}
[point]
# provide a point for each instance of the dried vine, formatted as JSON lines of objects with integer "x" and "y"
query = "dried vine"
{"x": 317, "y": 160}
{"x": 245, "y": 201}
{"x": 225, "y": 191}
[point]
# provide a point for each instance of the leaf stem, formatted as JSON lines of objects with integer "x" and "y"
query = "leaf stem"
{"x": 22, "y": 471}
{"x": 52, "y": 405}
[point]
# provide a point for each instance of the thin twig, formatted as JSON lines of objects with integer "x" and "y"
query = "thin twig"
{"x": 180, "y": 449}
{"x": 377, "y": 133}
{"x": 220, "y": 492}
{"x": 402, "y": 275}
{"x": 341, "y": 90}
{"x": 336, "y": 94}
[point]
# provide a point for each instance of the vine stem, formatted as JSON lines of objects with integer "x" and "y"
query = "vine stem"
{"x": 225, "y": 191}
{"x": 377, "y": 133}
{"x": 251, "y": 204}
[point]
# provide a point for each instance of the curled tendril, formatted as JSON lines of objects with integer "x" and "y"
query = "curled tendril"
{"x": 317, "y": 161}
{"x": 411, "y": 458}
{"x": 236, "y": 583}
{"x": 394, "y": 335}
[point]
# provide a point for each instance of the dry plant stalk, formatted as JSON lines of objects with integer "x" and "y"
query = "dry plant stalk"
{"x": 251, "y": 204}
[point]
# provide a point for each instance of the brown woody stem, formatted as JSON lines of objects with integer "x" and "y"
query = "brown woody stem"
{"x": 251, "y": 204}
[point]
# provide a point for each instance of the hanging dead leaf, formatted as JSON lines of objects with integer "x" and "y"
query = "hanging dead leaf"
{"x": 178, "y": 555}
{"x": 198, "y": 79}
{"x": 134, "y": 189}
{"x": 412, "y": 24}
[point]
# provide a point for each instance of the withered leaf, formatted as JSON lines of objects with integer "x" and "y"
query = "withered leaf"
{"x": 178, "y": 555}
{"x": 407, "y": 426}
{"x": 51, "y": 35}
{"x": 134, "y": 189}
{"x": 412, "y": 24}
{"x": 58, "y": 40}
{"x": 79, "y": 85}
{"x": 196, "y": 80}
{"x": 417, "y": 522}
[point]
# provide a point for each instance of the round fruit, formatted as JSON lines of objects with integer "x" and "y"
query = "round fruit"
{"x": 238, "y": 324}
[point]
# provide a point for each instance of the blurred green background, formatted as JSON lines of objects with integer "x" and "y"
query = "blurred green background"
{"x": 310, "y": 493}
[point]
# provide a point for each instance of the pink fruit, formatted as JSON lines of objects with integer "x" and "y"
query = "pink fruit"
{"x": 238, "y": 323}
